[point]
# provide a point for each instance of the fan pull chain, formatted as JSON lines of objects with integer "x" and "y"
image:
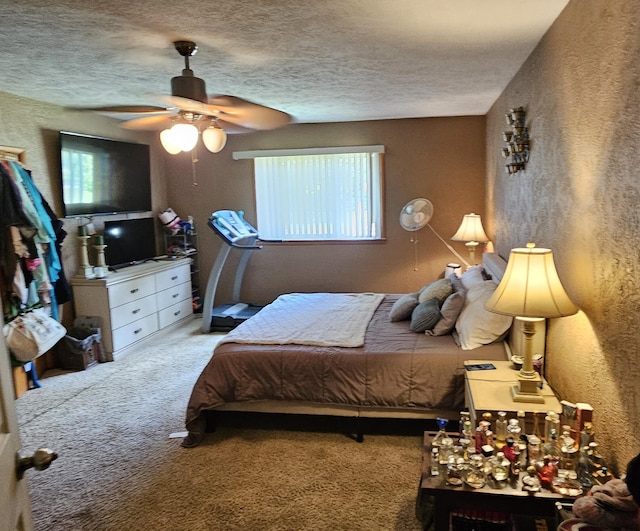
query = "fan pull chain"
{"x": 194, "y": 159}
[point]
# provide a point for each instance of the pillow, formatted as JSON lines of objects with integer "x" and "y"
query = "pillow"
{"x": 477, "y": 326}
{"x": 425, "y": 316}
{"x": 402, "y": 308}
{"x": 448, "y": 315}
{"x": 457, "y": 285}
{"x": 440, "y": 289}
{"x": 472, "y": 277}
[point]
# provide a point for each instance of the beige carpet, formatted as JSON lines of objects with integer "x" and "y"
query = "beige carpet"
{"x": 119, "y": 470}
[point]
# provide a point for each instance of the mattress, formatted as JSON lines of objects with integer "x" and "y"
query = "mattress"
{"x": 395, "y": 370}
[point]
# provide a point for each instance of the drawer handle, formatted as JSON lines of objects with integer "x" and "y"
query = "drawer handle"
{"x": 174, "y": 278}
{"x": 176, "y": 313}
{"x": 137, "y": 331}
{"x": 134, "y": 290}
{"x": 174, "y": 295}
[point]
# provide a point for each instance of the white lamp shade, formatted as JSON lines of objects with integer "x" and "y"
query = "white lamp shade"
{"x": 168, "y": 142}
{"x": 531, "y": 287}
{"x": 214, "y": 138}
{"x": 470, "y": 230}
{"x": 185, "y": 136}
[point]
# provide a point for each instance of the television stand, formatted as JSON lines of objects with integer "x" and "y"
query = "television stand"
{"x": 136, "y": 302}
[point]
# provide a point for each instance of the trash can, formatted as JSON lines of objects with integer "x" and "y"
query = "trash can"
{"x": 80, "y": 348}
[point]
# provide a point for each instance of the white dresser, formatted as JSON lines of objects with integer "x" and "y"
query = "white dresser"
{"x": 135, "y": 302}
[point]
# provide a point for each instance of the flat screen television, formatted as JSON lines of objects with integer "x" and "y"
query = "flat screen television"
{"x": 129, "y": 242}
{"x": 102, "y": 176}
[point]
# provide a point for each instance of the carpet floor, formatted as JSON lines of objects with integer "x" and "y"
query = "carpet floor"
{"x": 118, "y": 468}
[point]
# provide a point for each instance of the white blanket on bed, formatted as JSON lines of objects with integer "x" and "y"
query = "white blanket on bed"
{"x": 323, "y": 319}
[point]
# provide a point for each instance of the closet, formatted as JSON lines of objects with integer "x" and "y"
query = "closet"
{"x": 31, "y": 272}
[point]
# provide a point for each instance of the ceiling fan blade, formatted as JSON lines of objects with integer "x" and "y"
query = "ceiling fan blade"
{"x": 188, "y": 105}
{"x": 148, "y": 122}
{"x": 130, "y": 109}
{"x": 248, "y": 114}
{"x": 232, "y": 129}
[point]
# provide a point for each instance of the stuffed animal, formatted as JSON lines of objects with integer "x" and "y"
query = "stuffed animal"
{"x": 173, "y": 223}
{"x": 610, "y": 505}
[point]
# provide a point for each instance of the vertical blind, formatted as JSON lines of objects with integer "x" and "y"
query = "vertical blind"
{"x": 319, "y": 196}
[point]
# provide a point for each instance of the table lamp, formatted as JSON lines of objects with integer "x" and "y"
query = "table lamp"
{"x": 530, "y": 291}
{"x": 471, "y": 232}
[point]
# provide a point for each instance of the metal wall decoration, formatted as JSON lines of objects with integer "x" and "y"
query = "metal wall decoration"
{"x": 517, "y": 150}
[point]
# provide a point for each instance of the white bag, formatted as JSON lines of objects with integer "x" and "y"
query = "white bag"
{"x": 32, "y": 334}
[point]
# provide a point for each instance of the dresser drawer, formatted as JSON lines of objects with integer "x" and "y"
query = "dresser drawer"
{"x": 130, "y": 290}
{"x": 175, "y": 313}
{"x": 132, "y": 311}
{"x": 173, "y": 277}
{"x": 135, "y": 331}
{"x": 168, "y": 297}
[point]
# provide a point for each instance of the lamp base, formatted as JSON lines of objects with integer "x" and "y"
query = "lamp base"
{"x": 527, "y": 390}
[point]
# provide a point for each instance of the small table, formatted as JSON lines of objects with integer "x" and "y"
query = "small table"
{"x": 490, "y": 391}
{"x": 509, "y": 499}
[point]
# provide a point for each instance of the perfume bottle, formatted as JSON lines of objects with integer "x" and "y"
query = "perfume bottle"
{"x": 435, "y": 462}
{"x": 551, "y": 422}
{"x": 441, "y": 435}
{"x": 550, "y": 448}
{"x": 476, "y": 478}
{"x": 584, "y": 469}
{"x": 500, "y": 467}
{"x": 465, "y": 416}
{"x": 501, "y": 429}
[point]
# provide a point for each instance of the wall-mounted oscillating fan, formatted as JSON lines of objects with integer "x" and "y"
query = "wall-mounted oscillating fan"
{"x": 416, "y": 215}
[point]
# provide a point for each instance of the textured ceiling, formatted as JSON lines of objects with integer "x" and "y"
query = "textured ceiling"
{"x": 320, "y": 61}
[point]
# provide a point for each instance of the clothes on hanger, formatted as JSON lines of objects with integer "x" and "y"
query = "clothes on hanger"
{"x": 30, "y": 265}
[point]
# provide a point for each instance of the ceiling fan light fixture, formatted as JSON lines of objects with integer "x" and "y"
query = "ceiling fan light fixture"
{"x": 185, "y": 136}
{"x": 214, "y": 138}
{"x": 168, "y": 142}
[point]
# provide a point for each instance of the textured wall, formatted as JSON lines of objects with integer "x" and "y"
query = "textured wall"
{"x": 442, "y": 159}
{"x": 579, "y": 196}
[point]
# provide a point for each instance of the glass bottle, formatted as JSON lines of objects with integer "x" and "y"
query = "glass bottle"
{"x": 551, "y": 422}
{"x": 500, "y": 467}
{"x": 476, "y": 477}
{"x": 521, "y": 416}
{"x": 435, "y": 462}
{"x": 550, "y": 448}
{"x": 441, "y": 435}
{"x": 587, "y": 434}
{"x": 445, "y": 450}
{"x": 487, "y": 416}
{"x": 536, "y": 424}
{"x": 455, "y": 471}
{"x": 584, "y": 469}
{"x": 534, "y": 452}
{"x": 514, "y": 430}
{"x": 465, "y": 416}
{"x": 467, "y": 432}
{"x": 501, "y": 429}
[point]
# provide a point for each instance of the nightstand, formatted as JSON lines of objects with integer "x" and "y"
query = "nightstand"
{"x": 490, "y": 391}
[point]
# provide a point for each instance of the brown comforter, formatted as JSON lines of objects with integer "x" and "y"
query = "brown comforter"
{"x": 395, "y": 368}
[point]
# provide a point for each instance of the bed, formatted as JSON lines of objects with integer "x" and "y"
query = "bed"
{"x": 392, "y": 372}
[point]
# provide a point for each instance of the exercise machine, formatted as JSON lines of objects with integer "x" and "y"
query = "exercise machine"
{"x": 236, "y": 233}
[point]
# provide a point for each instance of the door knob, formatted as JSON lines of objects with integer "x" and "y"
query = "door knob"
{"x": 40, "y": 460}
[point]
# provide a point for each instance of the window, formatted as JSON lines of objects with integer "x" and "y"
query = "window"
{"x": 321, "y": 194}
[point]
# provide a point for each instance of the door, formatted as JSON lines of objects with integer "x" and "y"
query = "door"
{"x": 15, "y": 506}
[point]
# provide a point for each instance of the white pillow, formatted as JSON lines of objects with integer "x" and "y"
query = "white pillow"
{"x": 477, "y": 326}
{"x": 472, "y": 277}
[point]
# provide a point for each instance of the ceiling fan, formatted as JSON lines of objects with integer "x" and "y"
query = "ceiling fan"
{"x": 190, "y": 111}
{"x": 416, "y": 215}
